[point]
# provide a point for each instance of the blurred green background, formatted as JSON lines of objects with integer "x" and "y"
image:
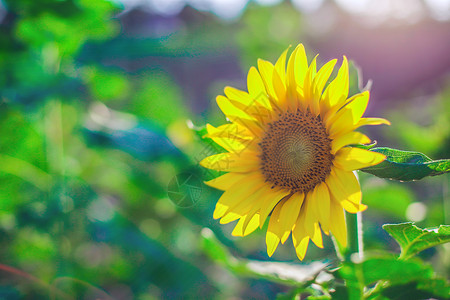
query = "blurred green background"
{"x": 101, "y": 102}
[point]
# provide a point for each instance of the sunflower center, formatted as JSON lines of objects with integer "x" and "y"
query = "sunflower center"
{"x": 295, "y": 152}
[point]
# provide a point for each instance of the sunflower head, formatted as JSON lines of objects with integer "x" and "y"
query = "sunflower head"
{"x": 289, "y": 153}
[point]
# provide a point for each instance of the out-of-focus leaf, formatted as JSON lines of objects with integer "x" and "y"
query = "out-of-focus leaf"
{"x": 25, "y": 171}
{"x": 437, "y": 286}
{"x": 341, "y": 292}
{"x": 159, "y": 99}
{"x": 143, "y": 140}
{"x": 407, "y": 165}
{"x": 297, "y": 293}
{"x": 288, "y": 274}
{"x": 85, "y": 20}
{"x": 175, "y": 276}
{"x": 213, "y": 248}
{"x": 107, "y": 85}
{"x": 425, "y": 289}
{"x": 73, "y": 286}
{"x": 413, "y": 239}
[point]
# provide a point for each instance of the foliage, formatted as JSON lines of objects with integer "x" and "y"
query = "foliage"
{"x": 413, "y": 239}
{"x": 99, "y": 108}
{"x": 407, "y": 165}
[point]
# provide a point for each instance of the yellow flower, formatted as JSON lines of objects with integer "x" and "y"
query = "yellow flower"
{"x": 288, "y": 152}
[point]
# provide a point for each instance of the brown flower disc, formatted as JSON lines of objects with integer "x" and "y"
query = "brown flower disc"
{"x": 295, "y": 152}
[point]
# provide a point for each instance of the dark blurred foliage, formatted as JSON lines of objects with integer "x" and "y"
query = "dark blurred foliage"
{"x": 97, "y": 108}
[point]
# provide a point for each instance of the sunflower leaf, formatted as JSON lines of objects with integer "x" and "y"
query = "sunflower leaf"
{"x": 392, "y": 278}
{"x": 413, "y": 239}
{"x": 407, "y": 165}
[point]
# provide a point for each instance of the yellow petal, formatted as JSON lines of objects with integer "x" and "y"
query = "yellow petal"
{"x": 266, "y": 70}
{"x": 271, "y": 198}
{"x": 255, "y": 84}
{"x": 358, "y": 104}
{"x": 246, "y": 225}
{"x": 322, "y": 77}
{"x": 319, "y": 82}
{"x": 231, "y": 111}
{"x": 301, "y": 65}
{"x": 350, "y": 158}
{"x": 342, "y": 124}
{"x": 291, "y": 82}
{"x": 289, "y": 214}
{"x": 274, "y": 235}
{"x": 321, "y": 199}
{"x": 229, "y": 217}
{"x": 300, "y": 250}
{"x": 246, "y": 161}
{"x": 337, "y": 223}
{"x": 235, "y": 95}
{"x": 280, "y": 91}
{"x": 307, "y": 85}
{"x": 251, "y": 204}
{"x": 337, "y": 91}
{"x": 280, "y": 66}
{"x": 309, "y": 215}
{"x": 253, "y": 219}
{"x": 231, "y": 130}
{"x": 226, "y": 181}
{"x": 220, "y": 210}
{"x": 299, "y": 232}
{"x": 344, "y": 189}
{"x": 235, "y": 145}
{"x": 237, "y": 192}
{"x": 272, "y": 241}
{"x": 372, "y": 121}
{"x": 299, "y": 237}
{"x": 255, "y": 203}
{"x": 317, "y": 236}
{"x": 236, "y": 115}
{"x": 350, "y": 138}
{"x": 253, "y": 107}
{"x": 257, "y": 89}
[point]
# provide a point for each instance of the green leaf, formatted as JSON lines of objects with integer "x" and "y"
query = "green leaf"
{"x": 372, "y": 270}
{"x": 407, "y": 165}
{"x": 413, "y": 239}
{"x": 395, "y": 279}
{"x": 426, "y": 289}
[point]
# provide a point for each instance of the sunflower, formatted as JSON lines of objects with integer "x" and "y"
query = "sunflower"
{"x": 289, "y": 153}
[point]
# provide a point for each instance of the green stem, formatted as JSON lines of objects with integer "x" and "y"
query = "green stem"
{"x": 354, "y": 235}
{"x": 354, "y": 238}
